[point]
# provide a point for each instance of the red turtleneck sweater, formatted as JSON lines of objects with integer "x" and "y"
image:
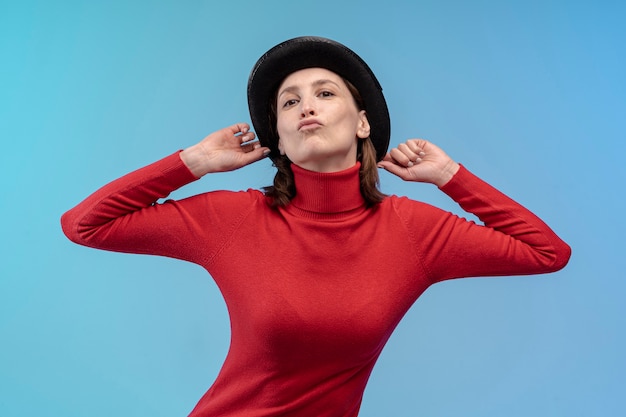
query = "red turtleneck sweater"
{"x": 325, "y": 280}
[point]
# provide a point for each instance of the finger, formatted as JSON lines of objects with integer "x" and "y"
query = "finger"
{"x": 406, "y": 149}
{"x": 250, "y": 146}
{"x": 247, "y": 137}
{"x": 393, "y": 167}
{"x": 257, "y": 153}
{"x": 416, "y": 146}
{"x": 400, "y": 157}
{"x": 239, "y": 128}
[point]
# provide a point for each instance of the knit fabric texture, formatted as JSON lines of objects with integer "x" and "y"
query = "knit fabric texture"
{"x": 315, "y": 289}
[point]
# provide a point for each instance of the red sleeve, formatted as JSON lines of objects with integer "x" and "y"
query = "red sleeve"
{"x": 124, "y": 215}
{"x": 513, "y": 241}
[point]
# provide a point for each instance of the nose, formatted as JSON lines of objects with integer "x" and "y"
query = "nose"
{"x": 307, "y": 107}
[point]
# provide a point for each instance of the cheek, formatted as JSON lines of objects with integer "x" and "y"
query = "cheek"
{"x": 281, "y": 125}
{"x": 279, "y": 128}
{"x": 280, "y": 132}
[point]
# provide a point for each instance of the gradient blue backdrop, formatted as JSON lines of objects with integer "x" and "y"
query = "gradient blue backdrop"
{"x": 529, "y": 95}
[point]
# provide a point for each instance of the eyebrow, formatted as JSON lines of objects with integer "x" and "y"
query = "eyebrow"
{"x": 316, "y": 83}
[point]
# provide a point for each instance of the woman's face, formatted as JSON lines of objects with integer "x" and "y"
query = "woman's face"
{"x": 318, "y": 121}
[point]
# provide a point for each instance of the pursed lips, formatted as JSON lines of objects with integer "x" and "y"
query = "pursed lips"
{"x": 309, "y": 124}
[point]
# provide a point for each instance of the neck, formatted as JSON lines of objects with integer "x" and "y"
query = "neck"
{"x": 330, "y": 163}
{"x": 327, "y": 194}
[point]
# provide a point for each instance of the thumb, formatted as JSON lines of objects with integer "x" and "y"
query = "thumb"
{"x": 387, "y": 157}
{"x": 256, "y": 154}
{"x": 390, "y": 166}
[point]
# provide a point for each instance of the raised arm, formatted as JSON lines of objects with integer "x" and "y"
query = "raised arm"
{"x": 122, "y": 215}
{"x": 420, "y": 161}
{"x": 513, "y": 240}
{"x": 227, "y": 149}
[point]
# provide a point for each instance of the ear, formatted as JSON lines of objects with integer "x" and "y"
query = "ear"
{"x": 280, "y": 147}
{"x": 363, "y": 129}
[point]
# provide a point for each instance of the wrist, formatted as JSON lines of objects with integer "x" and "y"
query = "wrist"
{"x": 195, "y": 160}
{"x": 448, "y": 171}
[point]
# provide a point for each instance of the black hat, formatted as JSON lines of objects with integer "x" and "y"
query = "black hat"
{"x": 309, "y": 52}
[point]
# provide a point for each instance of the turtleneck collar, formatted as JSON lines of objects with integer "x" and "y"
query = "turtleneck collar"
{"x": 329, "y": 195}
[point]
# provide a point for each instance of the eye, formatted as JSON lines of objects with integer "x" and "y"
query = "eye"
{"x": 290, "y": 102}
{"x": 326, "y": 93}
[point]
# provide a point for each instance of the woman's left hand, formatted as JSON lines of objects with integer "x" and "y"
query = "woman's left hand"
{"x": 420, "y": 161}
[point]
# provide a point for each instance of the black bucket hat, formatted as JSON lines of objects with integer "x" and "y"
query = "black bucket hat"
{"x": 310, "y": 52}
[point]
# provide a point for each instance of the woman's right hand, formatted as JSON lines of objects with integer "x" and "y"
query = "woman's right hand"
{"x": 227, "y": 149}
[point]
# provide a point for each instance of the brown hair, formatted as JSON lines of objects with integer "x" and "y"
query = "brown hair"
{"x": 284, "y": 188}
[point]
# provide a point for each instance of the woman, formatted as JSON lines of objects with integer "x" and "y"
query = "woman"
{"x": 335, "y": 263}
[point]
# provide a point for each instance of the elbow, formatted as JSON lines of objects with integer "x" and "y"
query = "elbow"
{"x": 560, "y": 257}
{"x": 69, "y": 226}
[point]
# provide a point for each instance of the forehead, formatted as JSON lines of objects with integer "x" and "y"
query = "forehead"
{"x": 310, "y": 75}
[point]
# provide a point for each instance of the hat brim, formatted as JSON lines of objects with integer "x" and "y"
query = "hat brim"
{"x": 314, "y": 52}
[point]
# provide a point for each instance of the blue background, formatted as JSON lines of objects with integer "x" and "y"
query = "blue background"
{"x": 529, "y": 95}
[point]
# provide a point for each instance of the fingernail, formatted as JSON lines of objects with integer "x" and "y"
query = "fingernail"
{"x": 410, "y": 164}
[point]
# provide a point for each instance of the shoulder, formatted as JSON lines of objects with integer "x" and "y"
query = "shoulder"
{"x": 232, "y": 200}
{"x": 220, "y": 211}
{"x": 415, "y": 215}
{"x": 404, "y": 205}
